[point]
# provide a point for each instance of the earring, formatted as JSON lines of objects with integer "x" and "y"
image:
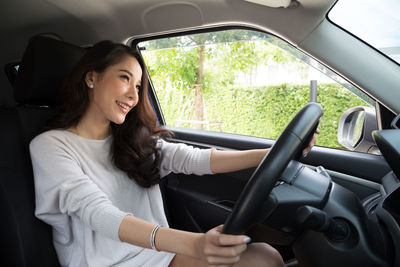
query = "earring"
{"x": 90, "y": 85}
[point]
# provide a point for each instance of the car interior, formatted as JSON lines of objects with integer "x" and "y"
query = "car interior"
{"x": 335, "y": 207}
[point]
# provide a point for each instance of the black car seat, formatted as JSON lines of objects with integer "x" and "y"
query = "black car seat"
{"x": 25, "y": 240}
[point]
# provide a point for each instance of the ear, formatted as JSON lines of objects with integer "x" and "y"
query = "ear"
{"x": 90, "y": 79}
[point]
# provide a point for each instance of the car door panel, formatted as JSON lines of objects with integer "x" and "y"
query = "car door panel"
{"x": 197, "y": 203}
{"x": 200, "y": 203}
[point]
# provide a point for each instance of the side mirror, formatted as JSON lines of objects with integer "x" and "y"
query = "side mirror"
{"x": 355, "y": 129}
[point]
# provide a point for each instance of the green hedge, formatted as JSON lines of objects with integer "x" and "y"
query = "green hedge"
{"x": 261, "y": 111}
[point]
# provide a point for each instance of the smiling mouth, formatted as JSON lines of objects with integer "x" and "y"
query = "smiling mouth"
{"x": 124, "y": 107}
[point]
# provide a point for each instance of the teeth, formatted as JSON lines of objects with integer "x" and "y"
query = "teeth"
{"x": 123, "y": 105}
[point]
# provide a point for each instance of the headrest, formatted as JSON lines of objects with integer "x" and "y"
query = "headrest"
{"x": 44, "y": 65}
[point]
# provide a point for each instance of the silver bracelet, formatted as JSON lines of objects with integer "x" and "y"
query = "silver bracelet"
{"x": 153, "y": 236}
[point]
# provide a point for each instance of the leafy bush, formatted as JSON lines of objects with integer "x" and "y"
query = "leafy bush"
{"x": 260, "y": 111}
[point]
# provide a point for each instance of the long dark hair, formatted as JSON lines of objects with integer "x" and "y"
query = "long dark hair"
{"x": 134, "y": 148}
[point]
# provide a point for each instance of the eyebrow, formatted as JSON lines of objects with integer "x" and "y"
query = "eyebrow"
{"x": 127, "y": 71}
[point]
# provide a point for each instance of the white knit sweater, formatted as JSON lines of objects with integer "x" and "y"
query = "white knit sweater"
{"x": 84, "y": 197}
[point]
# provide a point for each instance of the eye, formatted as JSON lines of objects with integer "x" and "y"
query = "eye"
{"x": 138, "y": 87}
{"x": 125, "y": 77}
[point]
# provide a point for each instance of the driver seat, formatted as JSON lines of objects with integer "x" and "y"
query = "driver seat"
{"x": 25, "y": 240}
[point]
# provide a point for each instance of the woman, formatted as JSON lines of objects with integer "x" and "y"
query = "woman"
{"x": 97, "y": 168}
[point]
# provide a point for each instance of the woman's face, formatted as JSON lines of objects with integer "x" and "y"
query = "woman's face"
{"x": 115, "y": 91}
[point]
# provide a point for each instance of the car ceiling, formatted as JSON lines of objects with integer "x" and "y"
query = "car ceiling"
{"x": 84, "y": 22}
{"x": 119, "y": 19}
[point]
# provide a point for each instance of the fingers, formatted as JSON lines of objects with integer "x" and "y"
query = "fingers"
{"x": 222, "y": 249}
{"x": 306, "y": 151}
{"x": 229, "y": 251}
{"x": 219, "y": 239}
{"x": 219, "y": 228}
{"x": 225, "y": 239}
{"x": 230, "y": 240}
{"x": 311, "y": 144}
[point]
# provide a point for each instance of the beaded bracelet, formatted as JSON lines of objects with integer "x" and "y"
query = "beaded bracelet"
{"x": 152, "y": 237}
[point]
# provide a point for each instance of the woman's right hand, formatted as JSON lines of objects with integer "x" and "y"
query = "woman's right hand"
{"x": 218, "y": 249}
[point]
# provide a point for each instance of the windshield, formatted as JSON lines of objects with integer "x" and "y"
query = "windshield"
{"x": 375, "y": 22}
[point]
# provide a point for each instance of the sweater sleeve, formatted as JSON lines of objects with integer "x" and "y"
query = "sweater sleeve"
{"x": 181, "y": 158}
{"x": 62, "y": 189}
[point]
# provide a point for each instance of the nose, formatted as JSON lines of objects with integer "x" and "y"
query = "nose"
{"x": 133, "y": 92}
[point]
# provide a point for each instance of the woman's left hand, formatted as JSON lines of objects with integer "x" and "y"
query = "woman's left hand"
{"x": 311, "y": 144}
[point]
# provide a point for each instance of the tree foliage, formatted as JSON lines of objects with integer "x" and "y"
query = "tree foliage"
{"x": 181, "y": 61}
{"x": 194, "y": 78}
{"x": 265, "y": 111}
{"x": 176, "y": 60}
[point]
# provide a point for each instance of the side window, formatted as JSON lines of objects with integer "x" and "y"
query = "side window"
{"x": 244, "y": 82}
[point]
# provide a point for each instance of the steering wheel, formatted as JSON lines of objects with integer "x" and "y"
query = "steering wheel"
{"x": 288, "y": 146}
